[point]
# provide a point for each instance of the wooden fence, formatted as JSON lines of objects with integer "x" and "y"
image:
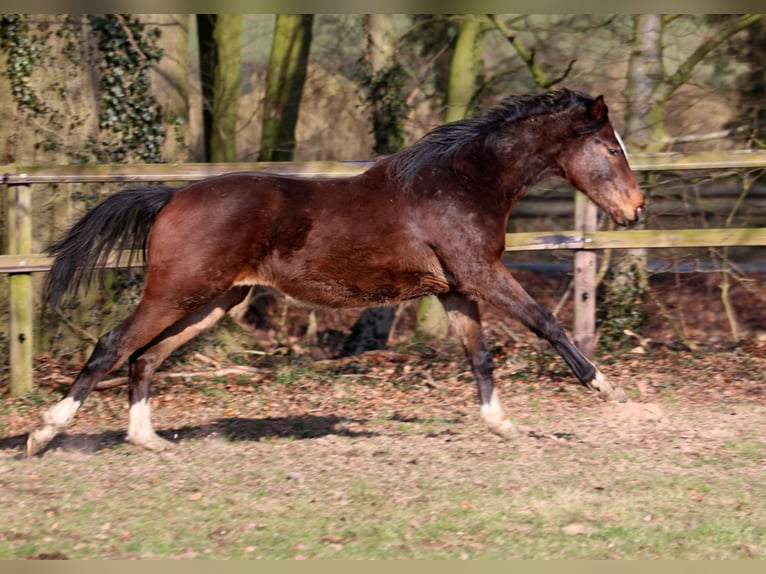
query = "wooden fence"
{"x": 20, "y": 262}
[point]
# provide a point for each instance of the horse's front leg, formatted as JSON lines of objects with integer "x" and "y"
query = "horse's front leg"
{"x": 504, "y": 291}
{"x": 465, "y": 321}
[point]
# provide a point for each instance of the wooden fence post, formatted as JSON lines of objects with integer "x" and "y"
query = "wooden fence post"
{"x": 586, "y": 219}
{"x": 20, "y": 290}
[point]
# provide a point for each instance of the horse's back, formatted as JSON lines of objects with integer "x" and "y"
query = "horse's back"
{"x": 338, "y": 242}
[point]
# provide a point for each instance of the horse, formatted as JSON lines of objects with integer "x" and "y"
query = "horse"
{"x": 428, "y": 220}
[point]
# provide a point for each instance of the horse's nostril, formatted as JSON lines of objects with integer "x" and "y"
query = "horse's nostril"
{"x": 640, "y": 212}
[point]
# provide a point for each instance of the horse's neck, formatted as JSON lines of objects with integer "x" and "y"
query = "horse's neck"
{"x": 526, "y": 155}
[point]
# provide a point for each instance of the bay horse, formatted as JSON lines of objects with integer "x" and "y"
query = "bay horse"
{"x": 429, "y": 220}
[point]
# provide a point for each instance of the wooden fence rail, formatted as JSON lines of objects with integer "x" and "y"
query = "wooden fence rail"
{"x": 19, "y": 263}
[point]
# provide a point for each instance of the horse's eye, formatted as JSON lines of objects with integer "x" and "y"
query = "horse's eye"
{"x": 614, "y": 151}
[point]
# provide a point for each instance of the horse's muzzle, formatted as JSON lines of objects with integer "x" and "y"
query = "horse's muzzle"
{"x": 626, "y": 219}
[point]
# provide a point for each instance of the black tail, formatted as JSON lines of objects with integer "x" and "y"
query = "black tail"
{"x": 121, "y": 221}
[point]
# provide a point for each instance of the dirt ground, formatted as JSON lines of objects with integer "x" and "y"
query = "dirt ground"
{"x": 408, "y": 415}
{"x": 292, "y": 379}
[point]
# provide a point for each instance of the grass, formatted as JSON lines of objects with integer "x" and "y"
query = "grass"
{"x": 408, "y": 491}
{"x": 319, "y": 464}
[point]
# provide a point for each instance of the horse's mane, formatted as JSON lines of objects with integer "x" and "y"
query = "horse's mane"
{"x": 442, "y": 144}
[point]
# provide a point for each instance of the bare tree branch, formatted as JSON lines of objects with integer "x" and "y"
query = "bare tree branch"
{"x": 685, "y": 70}
{"x": 129, "y": 34}
{"x": 528, "y": 57}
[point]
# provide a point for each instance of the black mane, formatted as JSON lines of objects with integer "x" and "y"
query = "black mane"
{"x": 442, "y": 144}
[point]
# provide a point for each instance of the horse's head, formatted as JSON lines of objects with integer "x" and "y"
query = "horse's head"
{"x": 595, "y": 162}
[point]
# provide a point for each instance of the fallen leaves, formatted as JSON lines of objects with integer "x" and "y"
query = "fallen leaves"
{"x": 294, "y": 379}
{"x": 695, "y": 495}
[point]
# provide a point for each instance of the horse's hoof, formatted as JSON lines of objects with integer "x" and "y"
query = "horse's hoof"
{"x": 616, "y": 395}
{"x": 154, "y": 443}
{"x": 38, "y": 440}
{"x": 505, "y": 429}
{"x": 606, "y": 390}
{"x": 620, "y": 396}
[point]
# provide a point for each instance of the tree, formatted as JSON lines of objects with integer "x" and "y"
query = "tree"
{"x": 432, "y": 321}
{"x": 529, "y": 57}
{"x": 432, "y": 38}
{"x": 383, "y": 78}
{"x": 385, "y": 83}
{"x": 464, "y": 68}
{"x": 649, "y": 87}
{"x": 219, "y": 37}
{"x": 173, "y": 79}
{"x": 78, "y": 91}
{"x": 754, "y": 87}
{"x": 284, "y": 85}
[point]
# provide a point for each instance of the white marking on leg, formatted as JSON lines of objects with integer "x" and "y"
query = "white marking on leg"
{"x": 62, "y": 413}
{"x": 55, "y": 420}
{"x": 140, "y": 430}
{"x": 606, "y": 390}
{"x": 140, "y": 420}
{"x": 494, "y": 416}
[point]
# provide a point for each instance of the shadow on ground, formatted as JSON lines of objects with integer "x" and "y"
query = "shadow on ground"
{"x": 234, "y": 429}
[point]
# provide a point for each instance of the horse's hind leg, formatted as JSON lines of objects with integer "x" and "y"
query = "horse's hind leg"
{"x": 465, "y": 320}
{"x": 144, "y": 362}
{"x": 112, "y": 350}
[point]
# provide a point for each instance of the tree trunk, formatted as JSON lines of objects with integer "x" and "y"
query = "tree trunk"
{"x": 223, "y": 138}
{"x": 432, "y": 321}
{"x": 284, "y": 85}
{"x": 372, "y": 329}
{"x": 207, "y": 64}
{"x": 219, "y": 40}
{"x": 171, "y": 80}
{"x": 386, "y": 79}
{"x": 644, "y": 127}
{"x": 624, "y": 291}
{"x": 380, "y": 40}
{"x": 463, "y": 69}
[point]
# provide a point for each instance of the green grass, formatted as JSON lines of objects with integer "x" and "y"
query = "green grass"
{"x": 405, "y": 493}
{"x": 416, "y": 478}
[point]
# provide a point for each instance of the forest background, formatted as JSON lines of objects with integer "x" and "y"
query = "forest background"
{"x": 124, "y": 88}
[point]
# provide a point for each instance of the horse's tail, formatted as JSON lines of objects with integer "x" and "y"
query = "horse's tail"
{"x": 122, "y": 221}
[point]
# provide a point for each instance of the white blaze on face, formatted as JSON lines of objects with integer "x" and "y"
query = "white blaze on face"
{"x": 622, "y": 144}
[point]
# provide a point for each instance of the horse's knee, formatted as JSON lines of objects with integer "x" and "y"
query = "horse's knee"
{"x": 107, "y": 353}
{"x": 483, "y": 363}
{"x": 142, "y": 367}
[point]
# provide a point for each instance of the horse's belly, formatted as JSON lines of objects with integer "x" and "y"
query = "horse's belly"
{"x": 344, "y": 293}
{"x": 354, "y": 289}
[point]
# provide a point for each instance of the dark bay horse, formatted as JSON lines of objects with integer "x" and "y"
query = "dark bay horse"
{"x": 429, "y": 220}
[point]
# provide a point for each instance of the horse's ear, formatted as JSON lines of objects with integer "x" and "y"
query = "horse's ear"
{"x": 598, "y": 109}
